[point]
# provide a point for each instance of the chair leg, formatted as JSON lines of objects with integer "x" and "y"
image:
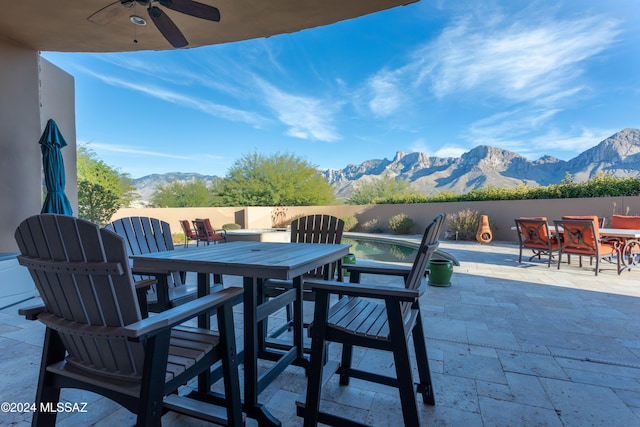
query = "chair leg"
{"x": 317, "y": 358}
{"x": 152, "y": 387}
{"x": 425, "y": 387}
{"x": 403, "y": 366}
{"x": 230, "y": 365}
{"x": 345, "y": 363}
{"x": 53, "y": 351}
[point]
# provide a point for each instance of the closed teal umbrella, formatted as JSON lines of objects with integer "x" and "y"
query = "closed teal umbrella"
{"x": 51, "y": 142}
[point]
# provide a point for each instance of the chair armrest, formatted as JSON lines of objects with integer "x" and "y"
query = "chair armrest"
{"x": 168, "y": 319}
{"x": 31, "y": 312}
{"x": 145, "y": 284}
{"x": 372, "y": 267}
{"x": 364, "y": 290}
{"x": 145, "y": 328}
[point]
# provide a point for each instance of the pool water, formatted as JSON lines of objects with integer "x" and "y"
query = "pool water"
{"x": 380, "y": 251}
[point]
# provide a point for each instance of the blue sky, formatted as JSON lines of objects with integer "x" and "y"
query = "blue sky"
{"x": 440, "y": 77}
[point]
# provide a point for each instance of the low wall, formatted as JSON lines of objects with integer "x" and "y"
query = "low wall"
{"x": 501, "y": 213}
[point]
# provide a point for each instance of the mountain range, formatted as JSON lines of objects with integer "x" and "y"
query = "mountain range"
{"x": 480, "y": 167}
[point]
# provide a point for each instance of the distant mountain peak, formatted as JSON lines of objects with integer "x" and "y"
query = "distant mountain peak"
{"x": 481, "y": 166}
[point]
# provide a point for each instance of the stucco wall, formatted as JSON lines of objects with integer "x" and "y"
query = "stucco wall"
{"x": 501, "y": 213}
{"x": 31, "y": 92}
{"x": 20, "y": 165}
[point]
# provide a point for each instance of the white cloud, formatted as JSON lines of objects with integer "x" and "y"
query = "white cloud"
{"x": 114, "y": 148}
{"x": 385, "y": 93}
{"x": 516, "y": 60}
{"x": 578, "y": 141}
{"x": 207, "y": 107}
{"x": 306, "y": 117}
{"x": 450, "y": 151}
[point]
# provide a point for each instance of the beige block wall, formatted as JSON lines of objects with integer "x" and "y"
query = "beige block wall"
{"x": 501, "y": 213}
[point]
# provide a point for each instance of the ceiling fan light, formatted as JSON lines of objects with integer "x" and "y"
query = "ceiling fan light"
{"x": 137, "y": 20}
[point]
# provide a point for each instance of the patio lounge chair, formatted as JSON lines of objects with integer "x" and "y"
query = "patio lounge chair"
{"x": 206, "y": 233}
{"x": 308, "y": 229}
{"x": 534, "y": 234}
{"x": 358, "y": 319}
{"x": 189, "y": 233}
{"x": 145, "y": 235}
{"x": 96, "y": 338}
{"x": 581, "y": 236}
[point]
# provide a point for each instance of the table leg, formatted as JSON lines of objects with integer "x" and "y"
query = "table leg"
{"x": 298, "y": 324}
{"x": 251, "y": 406}
{"x": 204, "y": 321}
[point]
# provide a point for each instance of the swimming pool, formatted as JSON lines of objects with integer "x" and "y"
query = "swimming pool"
{"x": 379, "y": 248}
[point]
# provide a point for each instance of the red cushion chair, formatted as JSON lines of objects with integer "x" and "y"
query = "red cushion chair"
{"x": 534, "y": 234}
{"x": 206, "y": 233}
{"x": 581, "y": 236}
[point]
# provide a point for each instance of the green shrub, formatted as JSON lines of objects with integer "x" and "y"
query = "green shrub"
{"x": 372, "y": 226}
{"x": 350, "y": 222}
{"x": 463, "y": 225}
{"x": 231, "y": 226}
{"x": 178, "y": 238}
{"x": 401, "y": 224}
{"x": 600, "y": 185}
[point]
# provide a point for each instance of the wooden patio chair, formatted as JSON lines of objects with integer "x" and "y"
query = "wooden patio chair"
{"x": 308, "y": 229}
{"x": 534, "y": 234}
{"x": 581, "y": 236}
{"x": 379, "y": 317}
{"x": 96, "y": 338}
{"x": 145, "y": 235}
{"x": 206, "y": 233}
{"x": 189, "y": 233}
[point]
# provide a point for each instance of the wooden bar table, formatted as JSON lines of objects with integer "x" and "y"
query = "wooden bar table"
{"x": 253, "y": 261}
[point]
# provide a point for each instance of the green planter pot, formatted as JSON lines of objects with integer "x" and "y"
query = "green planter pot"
{"x": 348, "y": 259}
{"x": 440, "y": 272}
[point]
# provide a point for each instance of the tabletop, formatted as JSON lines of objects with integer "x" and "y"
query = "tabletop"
{"x": 276, "y": 260}
{"x": 620, "y": 232}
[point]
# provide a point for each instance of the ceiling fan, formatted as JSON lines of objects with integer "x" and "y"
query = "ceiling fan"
{"x": 164, "y": 24}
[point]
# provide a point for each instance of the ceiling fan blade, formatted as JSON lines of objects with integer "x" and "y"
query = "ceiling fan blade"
{"x": 110, "y": 12}
{"x": 166, "y": 26}
{"x": 193, "y": 8}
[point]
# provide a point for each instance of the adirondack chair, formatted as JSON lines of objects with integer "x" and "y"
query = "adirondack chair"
{"x": 147, "y": 235}
{"x": 96, "y": 338}
{"x": 371, "y": 316}
{"x": 308, "y": 229}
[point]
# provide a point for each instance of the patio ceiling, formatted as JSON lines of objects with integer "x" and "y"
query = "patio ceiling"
{"x": 62, "y": 25}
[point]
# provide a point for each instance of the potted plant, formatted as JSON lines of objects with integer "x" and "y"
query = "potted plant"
{"x": 440, "y": 272}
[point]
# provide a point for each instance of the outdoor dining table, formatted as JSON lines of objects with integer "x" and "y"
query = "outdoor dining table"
{"x": 253, "y": 261}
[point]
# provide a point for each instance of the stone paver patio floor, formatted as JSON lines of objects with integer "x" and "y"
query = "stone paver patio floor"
{"x": 509, "y": 345}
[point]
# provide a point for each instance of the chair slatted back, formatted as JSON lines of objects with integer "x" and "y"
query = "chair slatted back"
{"x": 428, "y": 245}
{"x": 318, "y": 229}
{"x": 82, "y": 274}
{"x": 533, "y": 233}
{"x": 145, "y": 235}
